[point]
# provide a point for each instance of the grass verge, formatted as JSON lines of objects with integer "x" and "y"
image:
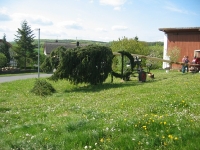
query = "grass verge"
{"x": 162, "y": 113}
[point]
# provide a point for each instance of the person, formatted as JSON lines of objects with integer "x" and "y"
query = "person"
{"x": 183, "y": 65}
{"x": 194, "y": 60}
{"x": 185, "y": 62}
{"x": 193, "y": 68}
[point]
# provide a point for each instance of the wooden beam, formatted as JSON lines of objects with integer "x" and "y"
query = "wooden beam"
{"x": 152, "y": 58}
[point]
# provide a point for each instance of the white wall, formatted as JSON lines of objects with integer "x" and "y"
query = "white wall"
{"x": 165, "y": 64}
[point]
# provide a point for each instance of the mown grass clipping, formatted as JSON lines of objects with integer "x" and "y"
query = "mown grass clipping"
{"x": 43, "y": 88}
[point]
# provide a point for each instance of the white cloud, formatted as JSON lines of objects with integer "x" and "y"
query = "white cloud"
{"x": 91, "y": 1}
{"x": 112, "y": 2}
{"x": 3, "y": 29}
{"x": 35, "y": 19}
{"x": 179, "y": 10}
{"x": 71, "y": 25}
{"x": 53, "y": 33}
{"x": 118, "y": 27}
{"x": 3, "y": 10}
{"x": 176, "y": 9}
{"x": 4, "y": 15}
{"x": 101, "y": 30}
{"x": 41, "y": 21}
{"x": 117, "y": 8}
{"x": 172, "y": 7}
{"x": 115, "y": 3}
{"x": 8, "y": 31}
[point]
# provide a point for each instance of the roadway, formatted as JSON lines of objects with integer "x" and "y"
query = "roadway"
{"x": 21, "y": 77}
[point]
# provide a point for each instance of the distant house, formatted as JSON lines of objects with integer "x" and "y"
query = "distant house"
{"x": 1, "y": 42}
{"x": 50, "y": 46}
{"x": 13, "y": 62}
{"x": 186, "y": 39}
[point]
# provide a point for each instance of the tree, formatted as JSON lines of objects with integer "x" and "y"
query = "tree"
{"x": 90, "y": 64}
{"x": 46, "y": 66}
{"x": 155, "y": 50}
{"x": 132, "y": 45}
{"x": 51, "y": 62}
{"x": 3, "y": 60}
{"x": 4, "y": 48}
{"x": 174, "y": 54}
{"x": 25, "y": 44}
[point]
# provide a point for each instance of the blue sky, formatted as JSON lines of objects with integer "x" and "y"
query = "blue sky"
{"x": 100, "y": 20}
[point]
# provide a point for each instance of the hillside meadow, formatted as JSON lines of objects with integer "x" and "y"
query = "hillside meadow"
{"x": 163, "y": 113}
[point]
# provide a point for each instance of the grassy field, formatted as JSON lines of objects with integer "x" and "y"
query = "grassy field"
{"x": 163, "y": 113}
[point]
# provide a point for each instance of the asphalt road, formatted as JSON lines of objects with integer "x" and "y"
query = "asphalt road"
{"x": 21, "y": 77}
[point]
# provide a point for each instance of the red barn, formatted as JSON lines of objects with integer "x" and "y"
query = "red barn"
{"x": 186, "y": 39}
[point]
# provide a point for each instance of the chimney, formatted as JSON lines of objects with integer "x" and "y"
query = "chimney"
{"x": 77, "y": 43}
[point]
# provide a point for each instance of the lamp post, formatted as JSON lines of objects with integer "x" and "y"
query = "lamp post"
{"x": 38, "y": 52}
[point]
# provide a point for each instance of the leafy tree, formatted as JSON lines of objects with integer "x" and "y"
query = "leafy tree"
{"x": 25, "y": 44}
{"x": 155, "y": 51}
{"x": 42, "y": 57}
{"x": 174, "y": 54}
{"x": 4, "y": 48}
{"x": 131, "y": 45}
{"x": 136, "y": 38}
{"x": 3, "y": 60}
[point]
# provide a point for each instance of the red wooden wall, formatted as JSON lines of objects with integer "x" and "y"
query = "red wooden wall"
{"x": 187, "y": 42}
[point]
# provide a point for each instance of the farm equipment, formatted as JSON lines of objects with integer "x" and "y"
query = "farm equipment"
{"x": 131, "y": 67}
{"x": 135, "y": 66}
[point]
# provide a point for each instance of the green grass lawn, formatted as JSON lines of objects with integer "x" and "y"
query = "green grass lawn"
{"x": 163, "y": 113}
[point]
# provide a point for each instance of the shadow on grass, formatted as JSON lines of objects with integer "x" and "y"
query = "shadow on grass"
{"x": 132, "y": 82}
{"x": 101, "y": 87}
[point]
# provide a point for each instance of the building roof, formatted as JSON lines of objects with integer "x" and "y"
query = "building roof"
{"x": 184, "y": 29}
{"x": 50, "y": 46}
{"x": 1, "y": 41}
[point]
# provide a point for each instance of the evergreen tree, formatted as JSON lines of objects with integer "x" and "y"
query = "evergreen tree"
{"x": 4, "y": 48}
{"x": 90, "y": 64}
{"x": 25, "y": 44}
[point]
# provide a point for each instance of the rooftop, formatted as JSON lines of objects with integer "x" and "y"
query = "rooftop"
{"x": 50, "y": 46}
{"x": 182, "y": 29}
{"x": 1, "y": 41}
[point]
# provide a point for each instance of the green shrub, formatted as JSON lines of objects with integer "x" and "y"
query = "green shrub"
{"x": 42, "y": 88}
{"x": 3, "y": 60}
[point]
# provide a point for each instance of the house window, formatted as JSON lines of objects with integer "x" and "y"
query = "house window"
{"x": 197, "y": 53}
